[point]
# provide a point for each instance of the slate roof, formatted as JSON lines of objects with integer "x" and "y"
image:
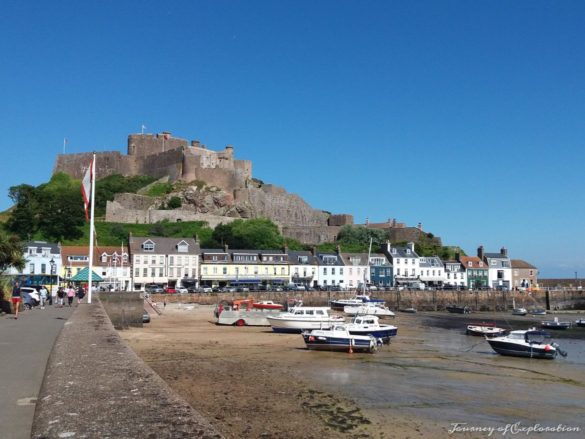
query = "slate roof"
{"x": 519, "y": 263}
{"x": 293, "y": 257}
{"x": 162, "y": 246}
{"x": 83, "y": 250}
{"x": 338, "y": 260}
{"x": 430, "y": 262}
{"x": 54, "y": 248}
{"x": 383, "y": 256}
{"x": 495, "y": 256}
{"x": 361, "y": 257}
{"x": 401, "y": 253}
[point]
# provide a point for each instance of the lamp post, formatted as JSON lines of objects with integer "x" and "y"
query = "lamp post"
{"x": 53, "y": 272}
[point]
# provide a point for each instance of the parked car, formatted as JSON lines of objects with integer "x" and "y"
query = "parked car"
{"x": 170, "y": 290}
{"x": 153, "y": 288}
{"x": 205, "y": 290}
{"x": 145, "y": 317}
{"x": 182, "y": 290}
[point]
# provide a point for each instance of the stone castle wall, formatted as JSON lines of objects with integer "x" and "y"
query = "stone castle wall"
{"x": 143, "y": 145}
{"x": 311, "y": 235}
{"x": 107, "y": 163}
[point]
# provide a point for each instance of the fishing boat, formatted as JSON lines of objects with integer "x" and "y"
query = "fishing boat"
{"x": 368, "y": 309}
{"x": 360, "y": 299}
{"x": 485, "y": 330}
{"x": 458, "y": 309}
{"x": 519, "y": 312}
{"x": 555, "y": 324}
{"x": 267, "y": 304}
{"x": 303, "y": 318}
{"x": 339, "y": 338}
{"x": 526, "y": 343}
{"x": 370, "y": 325}
{"x": 580, "y": 323}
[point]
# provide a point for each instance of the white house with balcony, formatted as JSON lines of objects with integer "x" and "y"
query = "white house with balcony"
{"x": 303, "y": 268}
{"x": 432, "y": 271}
{"x": 455, "y": 274}
{"x": 405, "y": 262}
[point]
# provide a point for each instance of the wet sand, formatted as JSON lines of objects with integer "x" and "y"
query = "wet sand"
{"x": 250, "y": 382}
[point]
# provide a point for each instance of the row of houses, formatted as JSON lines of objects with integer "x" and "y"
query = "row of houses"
{"x": 181, "y": 262}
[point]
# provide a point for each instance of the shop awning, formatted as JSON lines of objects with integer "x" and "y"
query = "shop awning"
{"x": 83, "y": 276}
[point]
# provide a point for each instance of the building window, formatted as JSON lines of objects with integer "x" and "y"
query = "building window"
{"x": 282, "y": 270}
{"x": 172, "y": 272}
{"x": 341, "y": 271}
{"x": 148, "y": 246}
{"x": 32, "y": 268}
{"x": 171, "y": 260}
{"x": 145, "y": 272}
{"x": 324, "y": 271}
{"x": 152, "y": 272}
{"x": 333, "y": 271}
{"x": 43, "y": 268}
{"x": 224, "y": 270}
{"x": 160, "y": 272}
{"x": 398, "y": 272}
{"x": 137, "y": 272}
{"x": 204, "y": 270}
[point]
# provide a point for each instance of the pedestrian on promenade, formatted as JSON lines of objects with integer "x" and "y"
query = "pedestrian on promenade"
{"x": 70, "y": 295}
{"x": 43, "y": 295}
{"x": 16, "y": 298}
{"x": 80, "y": 294}
{"x": 60, "y": 297}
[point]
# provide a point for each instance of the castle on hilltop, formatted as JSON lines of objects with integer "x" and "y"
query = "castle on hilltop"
{"x": 160, "y": 155}
{"x": 228, "y": 191}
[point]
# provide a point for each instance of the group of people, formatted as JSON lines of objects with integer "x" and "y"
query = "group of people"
{"x": 45, "y": 297}
{"x": 69, "y": 293}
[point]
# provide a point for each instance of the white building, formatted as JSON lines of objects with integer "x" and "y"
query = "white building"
{"x": 455, "y": 273}
{"x": 303, "y": 268}
{"x": 330, "y": 270}
{"x": 163, "y": 261}
{"x": 405, "y": 262}
{"x": 499, "y": 268}
{"x": 356, "y": 271}
{"x": 431, "y": 271}
{"x": 43, "y": 264}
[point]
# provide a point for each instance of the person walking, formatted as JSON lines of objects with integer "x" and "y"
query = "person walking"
{"x": 16, "y": 299}
{"x": 60, "y": 297}
{"x": 70, "y": 295}
{"x": 80, "y": 294}
{"x": 43, "y": 295}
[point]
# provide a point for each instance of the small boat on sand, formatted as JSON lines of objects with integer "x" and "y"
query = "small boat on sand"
{"x": 455, "y": 309}
{"x": 410, "y": 310}
{"x": 519, "y": 312}
{"x": 267, "y": 304}
{"x": 538, "y": 312}
{"x": 555, "y": 324}
{"x": 485, "y": 330}
{"x": 368, "y": 309}
{"x": 360, "y": 299}
{"x": 531, "y": 343}
{"x": 303, "y": 317}
{"x": 580, "y": 323}
{"x": 338, "y": 338}
{"x": 370, "y": 325}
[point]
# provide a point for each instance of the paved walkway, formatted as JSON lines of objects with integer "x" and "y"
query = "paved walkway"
{"x": 25, "y": 345}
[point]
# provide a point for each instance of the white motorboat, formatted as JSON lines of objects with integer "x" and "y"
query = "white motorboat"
{"x": 370, "y": 325}
{"x": 531, "y": 343}
{"x": 519, "y": 311}
{"x": 303, "y": 318}
{"x": 339, "y": 338}
{"x": 368, "y": 309}
{"x": 485, "y": 330}
{"x": 360, "y": 299}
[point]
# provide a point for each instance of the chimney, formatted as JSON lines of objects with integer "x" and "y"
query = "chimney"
{"x": 225, "y": 248}
{"x": 504, "y": 252}
{"x": 410, "y": 245}
{"x": 458, "y": 256}
{"x": 338, "y": 249}
{"x": 480, "y": 252}
{"x": 388, "y": 247}
{"x": 196, "y": 238}
{"x": 285, "y": 249}
{"x": 313, "y": 250}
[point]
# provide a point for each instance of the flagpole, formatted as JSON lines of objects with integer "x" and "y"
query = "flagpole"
{"x": 89, "y": 287}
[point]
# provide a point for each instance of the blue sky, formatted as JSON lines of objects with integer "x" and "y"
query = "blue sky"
{"x": 465, "y": 116}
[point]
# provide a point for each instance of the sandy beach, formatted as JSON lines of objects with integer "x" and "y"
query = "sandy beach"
{"x": 429, "y": 382}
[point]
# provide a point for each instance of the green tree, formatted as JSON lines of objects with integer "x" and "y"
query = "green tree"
{"x": 11, "y": 253}
{"x": 62, "y": 215}
{"x": 23, "y": 220}
{"x": 358, "y": 238}
{"x": 259, "y": 233}
{"x": 174, "y": 203}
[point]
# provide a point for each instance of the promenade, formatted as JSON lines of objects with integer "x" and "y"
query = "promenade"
{"x": 26, "y": 344}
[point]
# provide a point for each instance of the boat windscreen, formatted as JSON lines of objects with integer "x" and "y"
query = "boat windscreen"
{"x": 536, "y": 336}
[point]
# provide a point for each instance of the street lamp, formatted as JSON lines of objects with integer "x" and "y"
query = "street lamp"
{"x": 53, "y": 272}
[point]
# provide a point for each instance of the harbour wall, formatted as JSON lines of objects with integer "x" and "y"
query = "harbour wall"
{"x": 95, "y": 386}
{"x": 438, "y": 300}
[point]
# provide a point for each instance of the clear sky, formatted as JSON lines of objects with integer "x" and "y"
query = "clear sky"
{"x": 467, "y": 116}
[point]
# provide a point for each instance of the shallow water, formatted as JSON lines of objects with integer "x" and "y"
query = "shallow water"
{"x": 442, "y": 376}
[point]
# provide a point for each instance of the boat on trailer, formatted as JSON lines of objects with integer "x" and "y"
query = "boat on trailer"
{"x": 530, "y": 343}
{"x": 339, "y": 338}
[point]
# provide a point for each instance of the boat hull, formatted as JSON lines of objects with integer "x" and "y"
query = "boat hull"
{"x": 298, "y": 326}
{"x": 383, "y": 333}
{"x": 326, "y": 343}
{"x": 458, "y": 309}
{"x": 516, "y": 350}
{"x": 556, "y": 326}
{"x": 485, "y": 331}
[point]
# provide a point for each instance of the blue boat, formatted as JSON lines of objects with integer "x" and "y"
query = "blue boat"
{"x": 370, "y": 325}
{"x": 338, "y": 338}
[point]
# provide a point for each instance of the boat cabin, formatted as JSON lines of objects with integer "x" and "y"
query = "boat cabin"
{"x": 306, "y": 311}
